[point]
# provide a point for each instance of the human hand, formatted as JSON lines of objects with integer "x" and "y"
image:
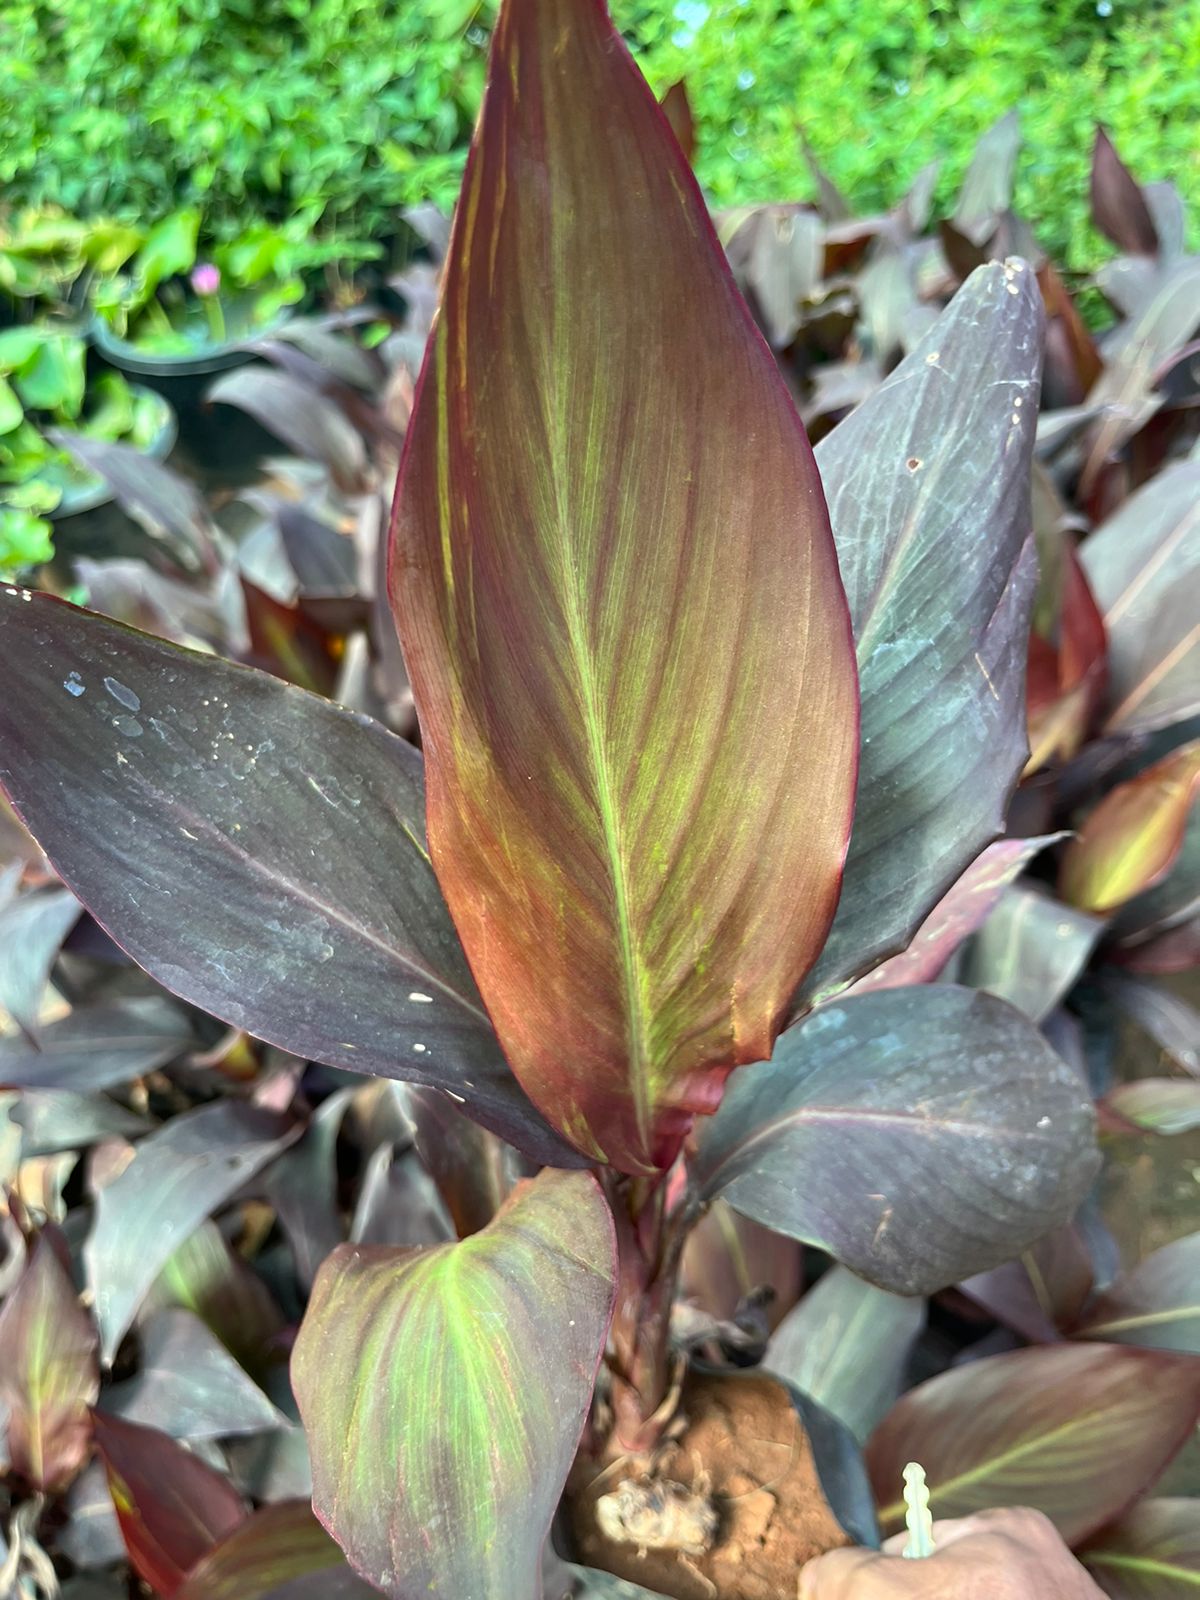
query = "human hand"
{"x": 995, "y": 1555}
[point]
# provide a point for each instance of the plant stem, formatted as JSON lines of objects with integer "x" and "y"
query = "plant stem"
{"x": 650, "y": 1238}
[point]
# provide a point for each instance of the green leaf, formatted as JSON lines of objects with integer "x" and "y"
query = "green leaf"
{"x": 54, "y": 379}
{"x": 1075, "y": 1431}
{"x": 614, "y": 579}
{"x": 443, "y": 1392}
{"x": 169, "y": 249}
{"x": 914, "y": 477}
{"x": 919, "y": 1135}
{"x": 25, "y": 539}
{"x": 12, "y": 412}
{"x": 19, "y": 346}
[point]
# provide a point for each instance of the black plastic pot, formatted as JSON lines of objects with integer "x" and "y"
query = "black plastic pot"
{"x": 156, "y": 368}
{"x": 223, "y": 444}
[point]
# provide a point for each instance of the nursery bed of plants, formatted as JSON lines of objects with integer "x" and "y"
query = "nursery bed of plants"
{"x": 560, "y": 1032}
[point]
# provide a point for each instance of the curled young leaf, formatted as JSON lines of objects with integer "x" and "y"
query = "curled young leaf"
{"x": 614, "y": 580}
{"x": 918, "y": 1135}
{"x": 479, "y": 1360}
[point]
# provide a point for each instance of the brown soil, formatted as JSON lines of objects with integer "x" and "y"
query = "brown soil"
{"x": 742, "y": 1446}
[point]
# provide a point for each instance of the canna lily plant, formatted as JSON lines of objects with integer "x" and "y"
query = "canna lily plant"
{"x": 707, "y": 726}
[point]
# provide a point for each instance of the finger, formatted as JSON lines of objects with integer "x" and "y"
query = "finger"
{"x": 832, "y": 1576}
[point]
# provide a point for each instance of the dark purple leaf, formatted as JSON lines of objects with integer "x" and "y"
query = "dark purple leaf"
{"x": 473, "y": 1170}
{"x": 177, "y": 1178}
{"x": 322, "y": 558}
{"x": 53, "y": 1120}
{"x": 986, "y": 192}
{"x": 847, "y": 1345}
{"x": 728, "y": 1258}
{"x": 834, "y": 205}
{"x": 918, "y": 1135}
{"x": 302, "y": 1186}
{"x": 1171, "y": 1022}
{"x": 130, "y": 591}
{"x": 1030, "y": 950}
{"x": 92, "y": 1535}
{"x": 399, "y": 1203}
{"x": 166, "y": 504}
{"x": 172, "y": 1507}
{"x": 98, "y": 1046}
{"x": 1156, "y": 1305}
{"x": 258, "y": 850}
{"x": 941, "y": 616}
{"x": 1042, "y": 1293}
{"x": 1118, "y": 208}
{"x": 1143, "y": 564}
{"x": 1134, "y": 355}
{"x": 281, "y": 1552}
{"x": 956, "y": 916}
{"x": 48, "y": 1372}
{"x": 188, "y": 1385}
{"x": 1076, "y": 1431}
{"x": 205, "y": 1276}
{"x": 301, "y": 417}
{"x": 1151, "y": 1553}
{"x": 32, "y": 929}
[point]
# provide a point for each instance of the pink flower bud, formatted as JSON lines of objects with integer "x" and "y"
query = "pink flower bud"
{"x": 206, "y": 279}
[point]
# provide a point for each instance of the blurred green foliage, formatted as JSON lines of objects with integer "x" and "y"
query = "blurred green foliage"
{"x": 337, "y": 112}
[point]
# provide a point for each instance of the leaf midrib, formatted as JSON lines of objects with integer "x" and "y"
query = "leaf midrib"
{"x": 403, "y": 960}
{"x": 570, "y": 579}
{"x": 804, "y": 1114}
{"x": 992, "y": 1466}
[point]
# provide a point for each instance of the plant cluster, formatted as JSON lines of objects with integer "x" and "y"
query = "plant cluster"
{"x": 448, "y": 1121}
{"x": 336, "y": 115}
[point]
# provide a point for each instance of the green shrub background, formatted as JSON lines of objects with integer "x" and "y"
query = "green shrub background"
{"x": 343, "y": 110}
